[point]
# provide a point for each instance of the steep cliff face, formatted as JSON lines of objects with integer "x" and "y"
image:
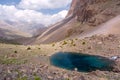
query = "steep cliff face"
{"x": 78, "y": 6}
{"x": 92, "y": 10}
{"x": 83, "y": 16}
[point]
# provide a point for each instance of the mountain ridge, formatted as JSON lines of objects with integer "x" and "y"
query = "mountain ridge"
{"x": 86, "y": 15}
{"x": 7, "y": 31}
{"x": 17, "y": 31}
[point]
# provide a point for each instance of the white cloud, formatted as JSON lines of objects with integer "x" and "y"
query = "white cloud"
{"x": 43, "y": 4}
{"x": 14, "y": 14}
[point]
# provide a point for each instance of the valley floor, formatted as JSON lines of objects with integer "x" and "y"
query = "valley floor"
{"x": 31, "y": 62}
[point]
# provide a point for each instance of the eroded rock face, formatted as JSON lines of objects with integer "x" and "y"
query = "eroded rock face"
{"x": 83, "y": 9}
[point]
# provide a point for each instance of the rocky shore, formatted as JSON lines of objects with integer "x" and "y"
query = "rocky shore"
{"x": 47, "y": 72}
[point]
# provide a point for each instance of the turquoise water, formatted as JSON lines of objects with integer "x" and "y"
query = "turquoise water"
{"x": 83, "y": 62}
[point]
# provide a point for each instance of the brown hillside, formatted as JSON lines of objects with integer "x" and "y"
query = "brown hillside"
{"x": 83, "y": 16}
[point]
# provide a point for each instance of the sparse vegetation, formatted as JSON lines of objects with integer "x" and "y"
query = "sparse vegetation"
{"x": 72, "y": 42}
{"x": 67, "y": 79}
{"x": 32, "y": 62}
{"x": 76, "y": 39}
{"x": 23, "y": 78}
{"x": 64, "y": 42}
{"x": 12, "y": 61}
{"x": 53, "y": 44}
{"x": 29, "y": 48}
{"x": 15, "y": 51}
{"x": 83, "y": 43}
{"x": 39, "y": 48}
{"x": 37, "y": 78}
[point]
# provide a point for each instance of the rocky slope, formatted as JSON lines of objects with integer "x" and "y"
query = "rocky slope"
{"x": 20, "y": 62}
{"x": 83, "y": 16}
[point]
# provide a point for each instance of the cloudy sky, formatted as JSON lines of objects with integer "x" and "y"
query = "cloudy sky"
{"x": 34, "y": 11}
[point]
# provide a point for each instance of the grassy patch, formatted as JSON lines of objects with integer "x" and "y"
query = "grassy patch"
{"x": 67, "y": 79}
{"x": 12, "y": 61}
{"x": 23, "y": 78}
{"x": 37, "y": 78}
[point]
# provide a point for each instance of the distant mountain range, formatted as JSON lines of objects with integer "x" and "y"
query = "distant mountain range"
{"x": 9, "y": 32}
{"x": 18, "y": 30}
{"x": 30, "y": 28}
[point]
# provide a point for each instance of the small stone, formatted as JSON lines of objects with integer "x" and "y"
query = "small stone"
{"x": 103, "y": 79}
{"x": 23, "y": 70}
{"x": 118, "y": 46}
{"x": 82, "y": 78}
{"x": 99, "y": 42}
{"x": 66, "y": 76}
{"x": 50, "y": 77}
{"x": 75, "y": 69}
{"x": 89, "y": 47}
{"x": 8, "y": 71}
{"x": 8, "y": 78}
{"x": 55, "y": 72}
{"x": 1, "y": 70}
{"x": 35, "y": 70}
{"x": 46, "y": 66}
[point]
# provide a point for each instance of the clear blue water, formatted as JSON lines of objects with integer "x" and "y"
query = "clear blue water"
{"x": 83, "y": 62}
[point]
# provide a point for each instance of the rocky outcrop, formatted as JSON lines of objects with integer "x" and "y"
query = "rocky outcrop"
{"x": 85, "y": 10}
